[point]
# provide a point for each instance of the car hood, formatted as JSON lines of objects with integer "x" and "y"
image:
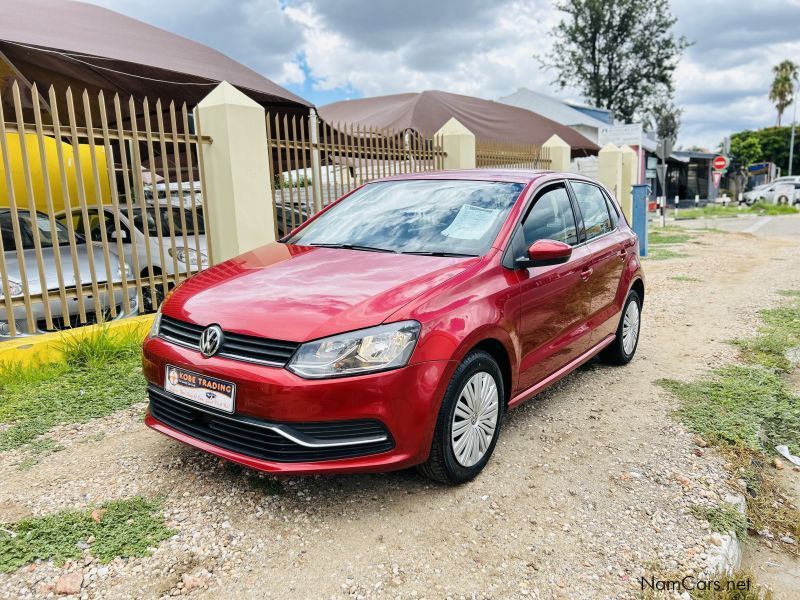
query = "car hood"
{"x": 50, "y": 267}
{"x": 300, "y": 293}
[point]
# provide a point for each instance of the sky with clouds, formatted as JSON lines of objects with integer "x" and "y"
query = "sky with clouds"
{"x": 327, "y": 50}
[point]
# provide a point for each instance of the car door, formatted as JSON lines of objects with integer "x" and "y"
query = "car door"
{"x": 554, "y": 300}
{"x": 607, "y": 246}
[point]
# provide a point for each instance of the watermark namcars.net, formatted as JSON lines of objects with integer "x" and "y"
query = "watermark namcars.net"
{"x": 689, "y": 583}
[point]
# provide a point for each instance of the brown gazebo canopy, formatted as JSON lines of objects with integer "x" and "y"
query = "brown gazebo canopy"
{"x": 61, "y": 43}
{"x": 426, "y": 112}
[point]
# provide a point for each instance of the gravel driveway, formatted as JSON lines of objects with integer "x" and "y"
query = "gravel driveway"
{"x": 590, "y": 485}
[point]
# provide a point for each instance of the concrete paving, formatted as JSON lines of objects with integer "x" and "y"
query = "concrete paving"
{"x": 780, "y": 226}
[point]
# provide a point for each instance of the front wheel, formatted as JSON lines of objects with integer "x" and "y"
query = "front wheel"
{"x": 622, "y": 349}
{"x": 469, "y": 419}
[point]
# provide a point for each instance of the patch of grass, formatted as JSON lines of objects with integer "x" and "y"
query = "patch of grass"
{"x": 100, "y": 374}
{"x": 746, "y": 410}
{"x": 665, "y": 254}
{"x": 741, "y": 406}
{"x": 779, "y": 333}
{"x": 734, "y": 210}
{"x": 790, "y": 293}
{"x": 658, "y": 236}
{"x": 723, "y": 518}
{"x": 686, "y": 278}
{"x": 125, "y": 528}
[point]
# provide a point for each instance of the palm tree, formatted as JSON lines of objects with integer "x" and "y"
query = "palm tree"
{"x": 782, "y": 90}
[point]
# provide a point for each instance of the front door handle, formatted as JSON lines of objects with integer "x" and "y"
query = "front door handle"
{"x": 586, "y": 273}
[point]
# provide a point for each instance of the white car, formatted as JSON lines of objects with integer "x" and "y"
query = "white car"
{"x": 188, "y": 256}
{"x": 780, "y": 191}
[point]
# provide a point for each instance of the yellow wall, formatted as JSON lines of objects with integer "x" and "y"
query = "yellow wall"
{"x": 53, "y": 173}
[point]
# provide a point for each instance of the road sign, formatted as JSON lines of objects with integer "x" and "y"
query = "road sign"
{"x": 661, "y": 170}
{"x": 620, "y": 134}
{"x": 720, "y": 163}
{"x": 664, "y": 149}
{"x": 716, "y": 176}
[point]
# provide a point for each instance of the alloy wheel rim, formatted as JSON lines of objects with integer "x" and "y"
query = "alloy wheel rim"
{"x": 630, "y": 327}
{"x": 475, "y": 419}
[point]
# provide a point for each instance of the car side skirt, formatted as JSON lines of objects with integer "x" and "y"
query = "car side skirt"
{"x": 563, "y": 371}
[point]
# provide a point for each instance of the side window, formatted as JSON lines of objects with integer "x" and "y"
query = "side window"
{"x": 593, "y": 207}
{"x": 551, "y": 218}
{"x": 91, "y": 228}
{"x": 612, "y": 210}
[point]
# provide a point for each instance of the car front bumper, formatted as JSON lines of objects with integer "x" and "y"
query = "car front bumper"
{"x": 72, "y": 309}
{"x": 404, "y": 402}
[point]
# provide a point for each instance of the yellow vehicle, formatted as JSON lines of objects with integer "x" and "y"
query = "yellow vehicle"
{"x": 51, "y": 172}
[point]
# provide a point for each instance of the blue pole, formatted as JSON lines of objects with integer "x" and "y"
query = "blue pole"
{"x": 639, "y": 224}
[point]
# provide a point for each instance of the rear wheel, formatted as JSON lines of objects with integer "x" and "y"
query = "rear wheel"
{"x": 622, "y": 349}
{"x": 469, "y": 419}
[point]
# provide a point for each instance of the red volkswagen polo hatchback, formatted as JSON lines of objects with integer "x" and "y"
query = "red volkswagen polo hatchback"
{"x": 397, "y": 326}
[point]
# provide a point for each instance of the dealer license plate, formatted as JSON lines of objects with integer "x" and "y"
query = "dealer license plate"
{"x": 200, "y": 389}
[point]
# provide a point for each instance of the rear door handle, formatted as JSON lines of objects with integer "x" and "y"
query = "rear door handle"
{"x": 586, "y": 272}
{"x": 623, "y": 253}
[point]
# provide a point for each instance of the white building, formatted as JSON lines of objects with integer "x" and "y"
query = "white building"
{"x": 577, "y": 117}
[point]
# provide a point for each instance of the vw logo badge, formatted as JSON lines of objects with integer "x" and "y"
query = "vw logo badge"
{"x": 210, "y": 340}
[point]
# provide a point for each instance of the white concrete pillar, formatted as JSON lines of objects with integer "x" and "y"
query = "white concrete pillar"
{"x": 628, "y": 178}
{"x": 240, "y": 207}
{"x": 609, "y": 164}
{"x": 560, "y": 153}
{"x": 458, "y": 143}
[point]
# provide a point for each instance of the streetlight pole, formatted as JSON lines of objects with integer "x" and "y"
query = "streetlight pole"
{"x": 794, "y": 123}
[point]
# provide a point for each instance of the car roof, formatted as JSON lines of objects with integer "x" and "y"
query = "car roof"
{"x": 493, "y": 174}
{"x": 489, "y": 174}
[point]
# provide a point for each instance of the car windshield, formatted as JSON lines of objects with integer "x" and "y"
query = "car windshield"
{"x": 47, "y": 236}
{"x": 428, "y": 216}
{"x": 163, "y": 214}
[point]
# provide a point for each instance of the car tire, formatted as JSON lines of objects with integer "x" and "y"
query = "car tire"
{"x": 622, "y": 349}
{"x": 451, "y": 459}
{"x": 783, "y": 200}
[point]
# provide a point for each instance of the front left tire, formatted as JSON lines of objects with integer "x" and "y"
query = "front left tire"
{"x": 468, "y": 423}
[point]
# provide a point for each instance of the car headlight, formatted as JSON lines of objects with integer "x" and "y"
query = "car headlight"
{"x": 124, "y": 271}
{"x": 190, "y": 256}
{"x": 14, "y": 288}
{"x": 156, "y": 324}
{"x": 364, "y": 351}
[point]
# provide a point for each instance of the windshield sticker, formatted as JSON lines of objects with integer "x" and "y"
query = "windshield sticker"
{"x": 471, "y": 222}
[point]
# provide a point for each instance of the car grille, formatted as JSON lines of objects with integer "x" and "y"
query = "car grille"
{"x": 262, "y": 440}
{"x": 246, "y": 348}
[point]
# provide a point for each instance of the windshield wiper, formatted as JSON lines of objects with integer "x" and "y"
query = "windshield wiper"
{"x": 353, "y": 247}
{"x": 446, "y": 254}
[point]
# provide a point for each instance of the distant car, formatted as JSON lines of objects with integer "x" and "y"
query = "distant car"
{"x": 56, "y": 243}
{"x": 780, "y": 191}
{"x": 189, "y": 254}
{"x": 159, "y": 191}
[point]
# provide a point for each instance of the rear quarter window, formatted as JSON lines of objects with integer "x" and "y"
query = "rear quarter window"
{"x": 594, "y": 209}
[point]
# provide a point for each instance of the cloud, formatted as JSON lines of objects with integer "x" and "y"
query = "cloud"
{"x": 332, "y": 49}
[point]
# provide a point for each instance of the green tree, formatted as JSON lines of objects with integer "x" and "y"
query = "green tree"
{"x": 621, "y": 54}
{"x": 746, "y": 147}
{"x": 773, "y": 141}
{"x": 781, "y": 91}
{"x": 665, "y": 120}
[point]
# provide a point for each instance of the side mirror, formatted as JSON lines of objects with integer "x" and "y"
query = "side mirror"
{"x": 123, "y": 235}
{"x": 544, "y": 253}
